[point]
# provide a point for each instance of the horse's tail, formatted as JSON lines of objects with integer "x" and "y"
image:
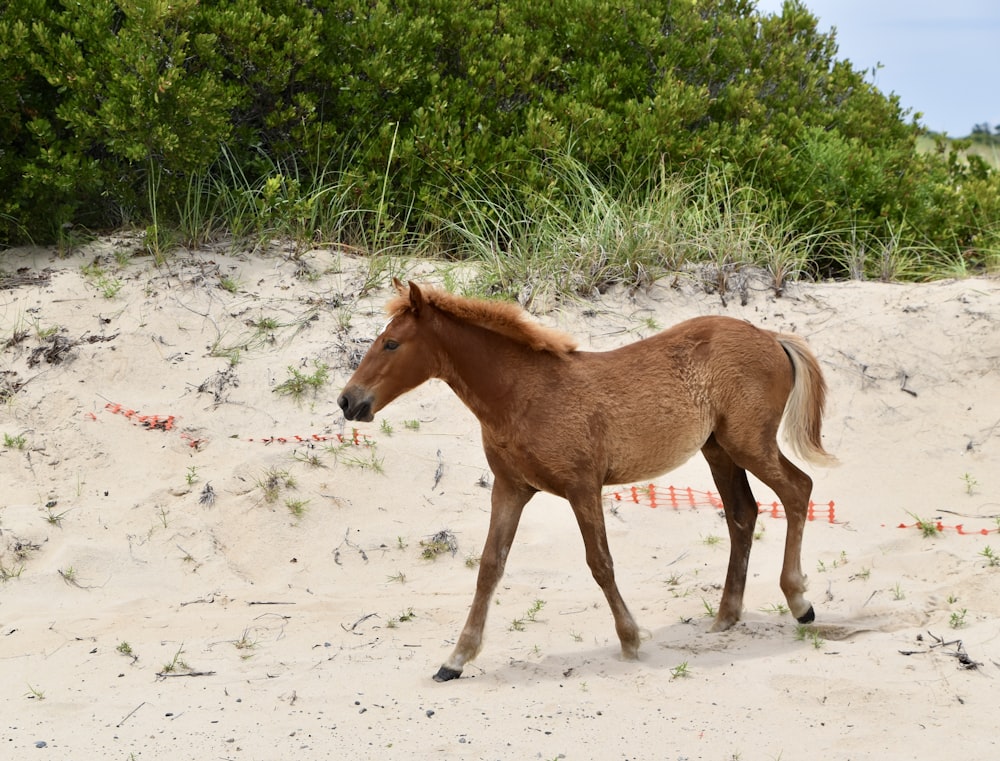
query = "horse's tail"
{"x": 804, "y": 408}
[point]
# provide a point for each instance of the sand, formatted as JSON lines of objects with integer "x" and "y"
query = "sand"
{"x": 197, "y": 567}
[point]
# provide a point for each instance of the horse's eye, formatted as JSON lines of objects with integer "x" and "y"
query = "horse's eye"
{"x": 391, "y": 345}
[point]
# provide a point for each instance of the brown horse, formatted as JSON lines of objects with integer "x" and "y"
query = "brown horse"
{"x": 568, "y": 422}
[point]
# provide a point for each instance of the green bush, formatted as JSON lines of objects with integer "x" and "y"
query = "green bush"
{"x": 394, "y": 115}
{"x": 105, "y": 100}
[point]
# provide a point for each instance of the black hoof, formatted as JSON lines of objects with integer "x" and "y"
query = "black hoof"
{"x": 446, "y": 674}
{"x": 808, "y": 617}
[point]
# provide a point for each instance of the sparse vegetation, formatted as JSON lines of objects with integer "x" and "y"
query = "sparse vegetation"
{"x": 957, "y": 619}
{"x": 245, "y": 643}
{"x": 299, "y": 383}
{"x": 778, "y": 609}
{"x": 441, "y": 543}
{"x": 987, "y": 553}
{"x": 409, "y": 615}
{"x": 927, "y": 528}
{"x": 530, "y": 616}
{"x": 14, "y": 441}
{"x": 970, "y": 483}
{"x": 53, "y": 518}
{"x": 297, "y": 507}
{"x": 175, "y": 664}
{"x": 807, "y": 633}
{"x": 680, "y": 671}
{"x": 273, "y": 481}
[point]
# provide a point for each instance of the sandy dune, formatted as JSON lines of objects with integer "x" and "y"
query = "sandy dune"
{"x": 197, "y": 567}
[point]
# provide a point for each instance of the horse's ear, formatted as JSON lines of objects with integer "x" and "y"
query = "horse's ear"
{"x": 400, "y": 288}
{"x": 416, "y": 298}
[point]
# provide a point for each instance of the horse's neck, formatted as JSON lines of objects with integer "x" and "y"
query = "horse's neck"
{"x": 484, "y": 368}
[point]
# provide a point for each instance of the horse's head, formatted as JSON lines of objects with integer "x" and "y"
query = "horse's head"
{"x": 398, "y": 360}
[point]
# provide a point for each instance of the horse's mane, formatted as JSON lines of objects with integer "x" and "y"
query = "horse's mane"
{"x": 498, "y": 316}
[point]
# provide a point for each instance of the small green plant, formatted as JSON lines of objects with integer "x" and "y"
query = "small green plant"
{"x": 992, "y": 561}
{"x": 272, "y": 483}
{"x": 368, "y": 460}
{"x": 927, "y": 528}
{"x": 472, "y": 561}
{"x": 14, "y": 442}
{"x": 229, "y": 284}
{"x": 712, "y": 539}
{"x": 69, "y": 575}
{"x": 840, "y": 561}
{"x": 299, "y": 382}
{"x": 55, "y": 519}
{"x": 297, "y": 507}
{"x": 35, "y": 694}
{"x": 245, "y": 642}
{"x": 680, "y": 671}
{"x": 399, "y": 578}
{"x": 898, "y": 593}
{"x": 192, "y": 475}
{"x": 409, "y": 615}
{"x": 957, "y": 620}
{"x": 7, "y": 572}
{"x": 386, "y": 427}
{"x": 310, "y": 458}
{"x": 411, "y": 425}
{"x": 530, "y": 615}
{"x": 970, "y": 483}
{"x": 442, "y": 542}
{"x": 709, "y": 608}
{"x": 778, "y": 609}
{"x": 806, "y": 633}
{"x": 176, "y": 663}
{"x": 266, "y": 325}
{"x": 126, "y": 649}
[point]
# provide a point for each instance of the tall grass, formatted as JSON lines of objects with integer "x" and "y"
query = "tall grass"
{"x": 578, "y": 237}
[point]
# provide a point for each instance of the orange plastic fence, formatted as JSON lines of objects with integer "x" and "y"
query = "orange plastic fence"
{"x": 674, "y": 497}
{"x": 168, "y": 423}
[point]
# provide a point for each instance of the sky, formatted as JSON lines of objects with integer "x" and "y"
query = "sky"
{"x": 941, "y": 57}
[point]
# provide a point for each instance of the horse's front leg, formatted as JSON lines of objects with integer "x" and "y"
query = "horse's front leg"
{"x": 508, "y": 501}
{"x": 590, "y": 516}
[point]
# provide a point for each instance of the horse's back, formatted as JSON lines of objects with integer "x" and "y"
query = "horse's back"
{"x": 661, "y": 398}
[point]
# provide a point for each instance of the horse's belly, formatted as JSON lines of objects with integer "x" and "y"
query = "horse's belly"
{"x": 647, "y": 457}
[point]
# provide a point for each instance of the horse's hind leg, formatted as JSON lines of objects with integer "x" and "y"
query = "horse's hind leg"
{"x": 793, "y": 488}
{"x": 741, "y": 518}
{"x": 507, "y": 502}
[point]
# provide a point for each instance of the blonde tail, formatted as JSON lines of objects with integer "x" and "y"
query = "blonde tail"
{"x": 805, "y": 405}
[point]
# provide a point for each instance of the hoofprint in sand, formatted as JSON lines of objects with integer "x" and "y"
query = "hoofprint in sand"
{"x": 202, "y": 560}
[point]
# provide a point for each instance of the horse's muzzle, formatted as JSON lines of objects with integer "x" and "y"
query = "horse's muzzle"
{"x": 356, "y": 405}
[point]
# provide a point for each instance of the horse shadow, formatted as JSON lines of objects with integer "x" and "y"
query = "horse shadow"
{"x": 665, "y": 648}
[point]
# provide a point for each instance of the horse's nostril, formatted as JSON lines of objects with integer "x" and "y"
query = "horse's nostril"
{"x": 343, "y": 403}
